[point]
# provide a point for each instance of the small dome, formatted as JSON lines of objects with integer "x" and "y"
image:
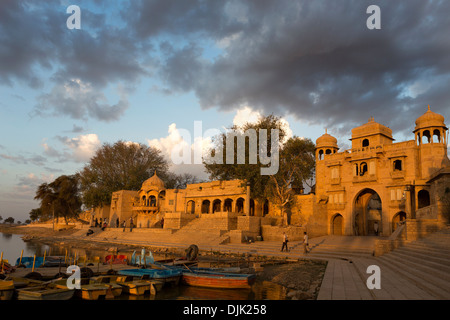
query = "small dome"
{"x": 326, "y": 140}
{"x": 429, "y": 119}
{"x": 153, "y": 183}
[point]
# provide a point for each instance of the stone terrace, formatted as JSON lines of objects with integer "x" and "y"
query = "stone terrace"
{"x": 418, "y": 270}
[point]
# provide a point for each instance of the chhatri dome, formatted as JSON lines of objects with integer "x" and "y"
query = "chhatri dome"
{"x": 326, "y": 140}
{"x": 429, "y": 119}
{"x": 153, "y": 183}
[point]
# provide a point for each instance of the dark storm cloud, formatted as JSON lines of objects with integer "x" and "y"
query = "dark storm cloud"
{"x": 315, "y": 60}
{"x": 34, "y": 38}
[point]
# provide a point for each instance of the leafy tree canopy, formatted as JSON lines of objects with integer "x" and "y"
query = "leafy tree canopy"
{"x": 118, "y": 166}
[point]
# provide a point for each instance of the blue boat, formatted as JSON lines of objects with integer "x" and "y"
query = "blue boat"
{"x": 152, "y": 273}
{"x": 27, "y": 262}
{"x": 50, "y": 261}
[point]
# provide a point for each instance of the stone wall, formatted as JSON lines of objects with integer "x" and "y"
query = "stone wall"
{"x": 177, "y": 220}
{"x": 221, "y": 220}
{"x": 275, "y": 233}
{"x": 416, "y": 229}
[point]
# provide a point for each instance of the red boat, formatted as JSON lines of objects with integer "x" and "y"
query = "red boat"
{"x": 116, "y": 259}
{"x": 220, "y": 280}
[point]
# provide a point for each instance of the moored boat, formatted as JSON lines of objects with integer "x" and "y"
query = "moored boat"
{"x": 134, "y": 287}
{"x": 116, "y": 259}
{"x": 171, "y": 275}
{"x": 6, "y": 289}
{"x": 114, "y": 288}
{"x": 48, "y": 291}
{"x": 220, "y": 280}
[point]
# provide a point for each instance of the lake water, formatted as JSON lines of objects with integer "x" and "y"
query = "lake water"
{"x": 12, "y": 244}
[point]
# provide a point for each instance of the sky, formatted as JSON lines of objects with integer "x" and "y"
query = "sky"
{"x": 143, "y": 70}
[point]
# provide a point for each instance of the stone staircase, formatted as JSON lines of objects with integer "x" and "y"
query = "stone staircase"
{"x": 424, "y": 262}
{"x": 420, "y": 270}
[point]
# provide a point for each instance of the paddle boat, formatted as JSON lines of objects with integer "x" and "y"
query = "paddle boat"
{"x": 134, "y": 287}
{"x": 221, "y": 280}
{"x": 6, "y": 289}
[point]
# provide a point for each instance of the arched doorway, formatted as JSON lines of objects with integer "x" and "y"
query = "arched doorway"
{"x": 240, "y": 205}
{"x": 152, "y": 201}
{"x": 217, "y": 204}
{"x": 337, "y": 224}
{"x": 190, "y": 208}
{"x": 205, "y": 206}
{"x": 228, "y": 205}
{"x": 399, "y": 217}
{"x": 423, "y": 197}
{"x": 367, "y": 213}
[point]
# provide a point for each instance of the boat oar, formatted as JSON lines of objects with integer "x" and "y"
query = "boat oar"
{"x": 188, "y": 268}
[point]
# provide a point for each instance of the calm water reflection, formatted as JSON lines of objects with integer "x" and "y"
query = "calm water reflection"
{"x": 12, "y": 244}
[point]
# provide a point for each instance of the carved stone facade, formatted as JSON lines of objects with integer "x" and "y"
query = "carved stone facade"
{"x": 366, "y": 190}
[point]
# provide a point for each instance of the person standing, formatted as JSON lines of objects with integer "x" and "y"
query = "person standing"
{"x": 375, "y": 227}
{"x": 285, "y": 242}
{"x": 124, "y": 224}
{"x": 305, "y": 243}
{"x": 131, "y": 224}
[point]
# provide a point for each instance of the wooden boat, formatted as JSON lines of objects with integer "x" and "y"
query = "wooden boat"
{"x": 50, "y": 261}
{"x": 6, "y": 289}
{"x": 87, "y": 291}
{"x": 134, "y": 287}
{"x": 20, "y": 282}
{"x": 171, "y": 275}
{"x": 113, "y": 287}
{"x": 210, "y": 279}
{"x": 48, "y": 291}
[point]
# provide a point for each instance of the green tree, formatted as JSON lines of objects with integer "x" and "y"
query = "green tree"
{"x": 118, "y": 166}
{"x": 36, "y": 215}
{"x": 179, "y": 181}
{"x": 296, "y": 168}
{"x": 248, "y": 171}
{"x": 9, "y": 220}
{"x": 61, "y": 198}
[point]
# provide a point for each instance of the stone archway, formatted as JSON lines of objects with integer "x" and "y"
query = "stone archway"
{"x": 367, "y": 213}
{"x": 398, "y": 217}
{"x": 205, "y": 206}
{"x": 240, "y": 205}
{"x": 337, "y": 225}
{"x": 190, "y": 207}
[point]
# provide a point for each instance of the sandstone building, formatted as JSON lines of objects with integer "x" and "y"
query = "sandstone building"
{"x": 366, "y": 190}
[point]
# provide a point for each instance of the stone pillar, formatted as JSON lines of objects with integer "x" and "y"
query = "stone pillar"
{"x": 247, "y": 200}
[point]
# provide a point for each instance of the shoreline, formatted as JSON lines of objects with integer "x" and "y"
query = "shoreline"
{"x": 302, "y": 279}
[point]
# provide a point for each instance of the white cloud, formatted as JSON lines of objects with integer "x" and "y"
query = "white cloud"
{"x": 247, "y": 114}
{"x": 83, "y": 146}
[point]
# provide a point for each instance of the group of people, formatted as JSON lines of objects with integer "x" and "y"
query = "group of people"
{"x": 98, "y": 223}
{"x": 306, "y": 248}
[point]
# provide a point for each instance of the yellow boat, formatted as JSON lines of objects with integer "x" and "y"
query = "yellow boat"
{"x": 48, "y": 291}
{"x": 88, "y": 291}
{"x": 114, "y": 288}
{"x": 134, "y": 287}
{"x": 6, "y": 289}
